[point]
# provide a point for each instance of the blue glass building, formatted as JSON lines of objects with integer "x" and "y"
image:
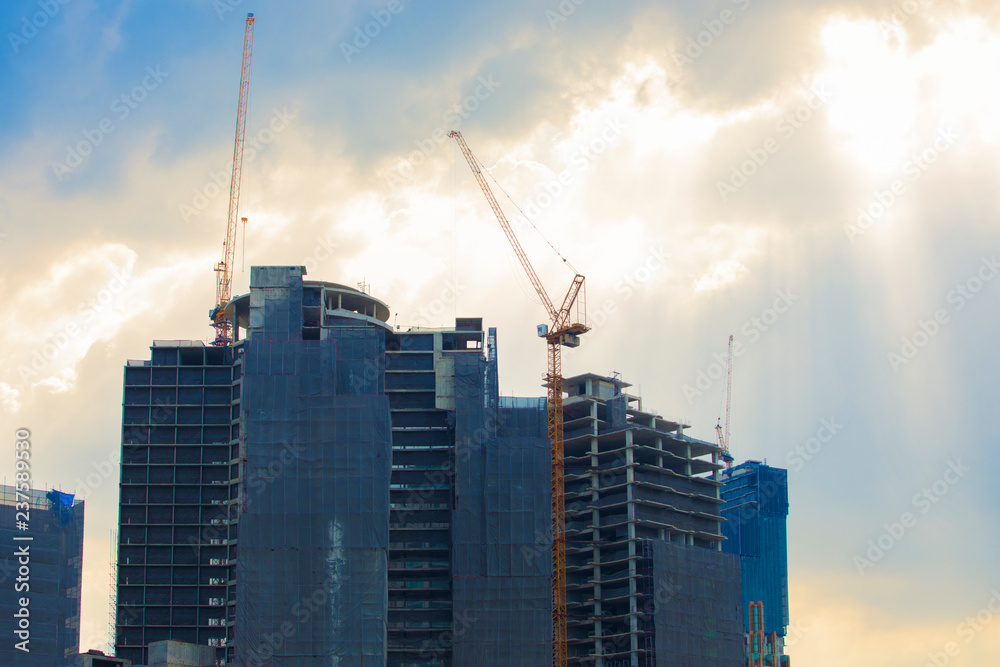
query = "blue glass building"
{"x": 755, "y": 498}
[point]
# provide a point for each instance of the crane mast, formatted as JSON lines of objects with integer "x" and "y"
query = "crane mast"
{"x": 724, "y": 434}
{"x": 562, "y": 331}
{"x": 224, "y": 269}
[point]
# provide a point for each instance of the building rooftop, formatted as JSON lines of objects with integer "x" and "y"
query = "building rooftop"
{"x": 37, "y": 498}
{"x": 594, "y": 376}
{"x": 338, "y": 297}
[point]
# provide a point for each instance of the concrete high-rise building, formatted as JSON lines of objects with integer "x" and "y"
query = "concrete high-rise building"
{"x": 470, "y": 496}
{"x": 176, "y": 534}
{"x": 329, "y": 486}
{"x": 95, "y": 658}
{"x": 647, "y": 581}
{"x": 756, "y": 513}
{"x": 41, "y": 573}
{"x": 333, "y": 487}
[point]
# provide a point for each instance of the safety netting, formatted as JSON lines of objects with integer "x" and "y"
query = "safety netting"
{"x": 697, "y": 616}
{"x": 756, "y": 511}
{"x": 51, "y": 582}
{"x": 501, "y": 552}
{"x": 314, "y": 522}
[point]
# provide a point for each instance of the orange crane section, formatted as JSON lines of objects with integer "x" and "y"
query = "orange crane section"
{"x": 724, "y": 435}
{"x": 224, "y": 269}
{"x": 563, "y": 330}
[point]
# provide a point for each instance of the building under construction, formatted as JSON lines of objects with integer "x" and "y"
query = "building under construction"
{"x": 41, "y": 571}
{"x": 756, "y": 513}
{"x": 647, "y": 582}
{"x": 331, "y": 487}
{"x": 319, "y": 487}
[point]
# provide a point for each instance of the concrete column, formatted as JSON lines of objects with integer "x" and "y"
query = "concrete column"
{"x": 595, "y": 496}
{"x": 633, "y": 582}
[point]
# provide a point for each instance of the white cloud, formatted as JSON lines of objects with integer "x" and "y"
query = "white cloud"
{"x": 317, "y": 195}
{"x": 9, "y": 397}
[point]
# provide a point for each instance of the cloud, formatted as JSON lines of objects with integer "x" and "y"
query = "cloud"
{"x": 615, "y": 147}
{"x": 9, "y": 397}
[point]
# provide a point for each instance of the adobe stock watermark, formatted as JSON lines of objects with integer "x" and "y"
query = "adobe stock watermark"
{"x": 30, "y": 26}
{"x": 121, "y": 108}
{"x": 437, "y": 648}
{"x": 898, "y": 15}
{"x": 628, "y": 285}
{"x": 364, "y": 34}
{"x": 928, "y": 329}
{"x": 793, "y": 121}
{"x": 714, "y": 29}
{"x": 966, "y": 632}
{"x": 798, "y": 629}
{"x": 223, "y": 7}
{"x": 103, "y": 470}
{"x": 421, "y": 495}
{"x": 562, "y": 12}
{"x": 752, "y": 329}
{"x": 256, "y": 481}
{"x": 57, "y": 342}
{"x": 432, "y": 311}
{"x": 923, "y": 502}
{"x": 219, "y": 181}
{"x": 579, "y": 161}
{"x": 803, "y": 453}
{"x": 882, "y": 200}
{"x": 453, "y": 118}
{"x": 315, "y": 602}
{"x": 541, "y": 548}
{"x": 322, "y": 253}
{"x": 665, "y": 591}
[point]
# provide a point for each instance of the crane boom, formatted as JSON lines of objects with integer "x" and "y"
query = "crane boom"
{"x": 724, "y": 435}
{"x": 563, "y": 331}
{"x": 505, "y": 224}
{"x": 224, "y": 269}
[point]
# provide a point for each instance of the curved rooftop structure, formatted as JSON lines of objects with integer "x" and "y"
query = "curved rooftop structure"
{"x": 323, "y": 303}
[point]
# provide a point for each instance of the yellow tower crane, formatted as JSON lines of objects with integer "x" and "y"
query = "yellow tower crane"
{"x": 564, "y": 330}
{"x": 224, "y": 269}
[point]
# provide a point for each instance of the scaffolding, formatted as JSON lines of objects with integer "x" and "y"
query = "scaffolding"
{"x": 53, "y": 539}
{"x": 375, "y": 468}
{"x": 113, "y": 593}
{"x": 468, "y": 499}
{"x": 635, "y": 482}
{"x": 314, "y": 535}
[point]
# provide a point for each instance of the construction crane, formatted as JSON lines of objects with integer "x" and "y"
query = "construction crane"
{"x": 224, "y": 269}
{"x": 563, "y": 330}
{"x": 724, "y": 434}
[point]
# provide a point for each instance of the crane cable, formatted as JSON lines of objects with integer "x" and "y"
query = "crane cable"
{"x": 528, "y": 292}
{"x": 509, "y": 198}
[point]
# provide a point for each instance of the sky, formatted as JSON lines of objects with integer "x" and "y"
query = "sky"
{"x": 815, "y": 179}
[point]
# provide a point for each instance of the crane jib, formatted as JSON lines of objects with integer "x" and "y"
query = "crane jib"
{"x": 224, "y": 269}
{"x": 564, "y": 332}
